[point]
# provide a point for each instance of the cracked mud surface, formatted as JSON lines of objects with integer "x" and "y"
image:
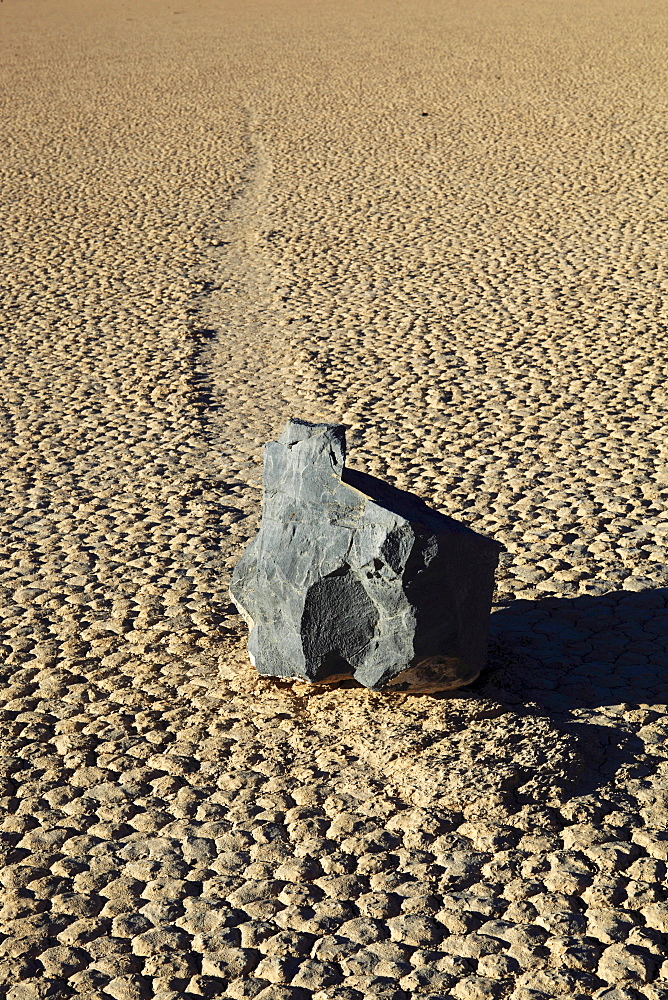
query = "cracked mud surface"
{"x": 442, "y": 224}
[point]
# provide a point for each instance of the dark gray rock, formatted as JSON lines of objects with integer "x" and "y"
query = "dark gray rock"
{"x": 350, "y": 576}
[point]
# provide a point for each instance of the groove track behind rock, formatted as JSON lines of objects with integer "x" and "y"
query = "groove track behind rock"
{"x": 239, "y": 323}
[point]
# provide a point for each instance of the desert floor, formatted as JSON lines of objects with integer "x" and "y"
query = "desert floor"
{"x": 444, "y": 224}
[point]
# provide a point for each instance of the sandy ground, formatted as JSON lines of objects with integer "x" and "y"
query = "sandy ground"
{"x": 445, "y": 225}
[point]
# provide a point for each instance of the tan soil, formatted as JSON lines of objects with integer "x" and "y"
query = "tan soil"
{"x": 445, "y": 225}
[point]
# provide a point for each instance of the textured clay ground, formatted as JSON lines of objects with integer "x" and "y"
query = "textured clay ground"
{"x": 443, "y": 223}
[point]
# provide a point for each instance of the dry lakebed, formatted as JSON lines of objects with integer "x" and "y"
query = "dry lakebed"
{"x": 442, "y": 223}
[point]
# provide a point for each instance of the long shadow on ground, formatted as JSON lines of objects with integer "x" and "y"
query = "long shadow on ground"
{"x": 596, "y": 667}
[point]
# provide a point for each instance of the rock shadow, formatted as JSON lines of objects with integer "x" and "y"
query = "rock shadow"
{"x": 596, "y": 667}
{"x": 583, "y": 652}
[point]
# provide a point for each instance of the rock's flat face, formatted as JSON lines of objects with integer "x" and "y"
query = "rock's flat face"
{"x": 350, "y": 576}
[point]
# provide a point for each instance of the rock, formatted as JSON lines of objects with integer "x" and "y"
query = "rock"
{"x": 159, "y": 940}
{"x": 415, "y": 930}
{"x": 314, "y": 975}
{"x": 477, "y": 988}
{"x": 362, "y": 963}
{"x": 363, "y": 930}
{"x": 379, "y": 905}
{"x": 117, "y": 966}
{"x": 426, "y": 980}
{"x": 62, "y": 961}
{"x": 656, "y": 991}
{"x": 255, "y": 932}
{"x": 471, "y": 945}
{"x": 127, "y": 988}
{"x": 230, "y": 963}
{"x": 240, "y": 989}
{"x": 610, "y": 925}
{"x": 277, "y": 992}
{"x": 129, "y": 925}
{"x": 622, "y": 962}
{"x": 333, "y": 948}
{"x": 287, "y": 943}
{"x": 349, "y": 576}
{"x": 497, "y": 966}
{"x": 90, "y": 982}
{"x": 656, "y": 916}
{"x": 277, "y": 969}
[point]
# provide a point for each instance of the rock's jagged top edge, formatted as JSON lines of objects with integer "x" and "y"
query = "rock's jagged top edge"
{"x": 297, "y": 430}
{"x": 377, "y": 491}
